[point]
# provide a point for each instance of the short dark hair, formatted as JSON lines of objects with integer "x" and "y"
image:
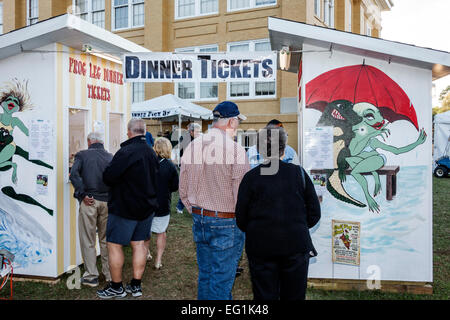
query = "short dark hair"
{"x": 275, "y": 122}
{"x": 266, "y": 138}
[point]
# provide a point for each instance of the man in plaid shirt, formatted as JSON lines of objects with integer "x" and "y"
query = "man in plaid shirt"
{"x": 212, "y": 168}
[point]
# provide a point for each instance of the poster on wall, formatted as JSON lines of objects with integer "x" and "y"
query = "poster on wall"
{"x": 42, "y": 184}
{"x": 345, "y": 242}
{"x": 40, "y": 142}
{"x": 381, "y": 164}
{"x": 318, "y": 147}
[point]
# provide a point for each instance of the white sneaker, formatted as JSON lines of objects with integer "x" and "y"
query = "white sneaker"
{"x": 149, "y": 256}
{"x": 179, "y": 211}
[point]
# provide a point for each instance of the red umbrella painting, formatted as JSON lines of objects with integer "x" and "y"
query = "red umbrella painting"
{"x": 361, "y": 83}
{"x": 359, "y": 102}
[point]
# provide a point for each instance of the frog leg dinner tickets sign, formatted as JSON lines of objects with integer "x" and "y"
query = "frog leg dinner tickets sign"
{"x": 346, "y": 242}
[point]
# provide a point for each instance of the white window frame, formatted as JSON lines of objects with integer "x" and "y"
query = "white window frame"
{"x": 252, "y": 84}
{"x": 1, "y": 17}
{"x": 132, "y": 91}
{"x": 123, "y": 127}
{"x": 87, "y": 129}
{"x": 90, "y": 12}
{"x": 349, "y": 13}
{"x": 329, "y": 13}
{"x": 130, "y": 7}
{"x": 197, "y": 10}
{"x": 28, "y": 13}
{"x": 318, "y": 8}
{"x": 197, "y": 83}
{"x": 252, "y": 5}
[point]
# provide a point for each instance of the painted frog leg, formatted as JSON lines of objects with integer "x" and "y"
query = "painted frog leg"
{"x": 5, "y": 160}
{"x": 362, "y": 165}
{"x": 10, "y": 192}
{"x": 377, "y": 188}
{"x": 24, "y": 154}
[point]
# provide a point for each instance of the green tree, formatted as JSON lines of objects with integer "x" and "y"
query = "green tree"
{"x": 444, "y": 98}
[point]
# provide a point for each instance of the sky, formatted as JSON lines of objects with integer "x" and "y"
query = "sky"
{"x": 424, "y": 23}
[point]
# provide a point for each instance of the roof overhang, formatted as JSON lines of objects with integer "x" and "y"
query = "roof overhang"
{"x": 292, "y": 34}
{"x": 68, "y": 30}
{"x": 384, "y": 5}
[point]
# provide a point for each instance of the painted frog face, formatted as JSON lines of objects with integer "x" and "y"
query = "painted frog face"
{"x": 10, "y": 104}
{"x": 372, "y": 120}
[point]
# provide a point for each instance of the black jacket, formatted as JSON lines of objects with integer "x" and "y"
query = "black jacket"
{"x": 131, "y": 176}
{"x": 167, "y": 182}
{"x": 276, "y": 211}
{"x": 86, "y": 174}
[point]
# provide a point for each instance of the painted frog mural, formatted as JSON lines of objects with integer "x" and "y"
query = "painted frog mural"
{"x": 20, "y": 233}
{"x": 14, "y": 97}
{"x": 359, "y": 102}
{"x": 363, "y": 149}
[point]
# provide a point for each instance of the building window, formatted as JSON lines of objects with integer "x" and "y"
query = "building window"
{"x": 329, "y": 13}
{"x": 317, "y": 8}
{"x": 98, "y": 13}
{"x": 32, "y": 11}
{"x": 138, "y": 91}
{"x": 78, "y": 120}
{"x": 257, "y": 89}
{"x": 1, "y": 17}
{"x": 197, "y": 90}
{"x": 348, "y": 15}
{"x": 115, "y": 131}
{"x": 92, "y": 11}
{"x": 192, "y": 8}
{"x": 249, "y": 4}
{"x": 128, "y": 14}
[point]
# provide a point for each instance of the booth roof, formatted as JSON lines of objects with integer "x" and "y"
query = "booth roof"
{"x": 68, "y": 30}
{"x": 174, "y": 106}
{"x": 292, "y": 34}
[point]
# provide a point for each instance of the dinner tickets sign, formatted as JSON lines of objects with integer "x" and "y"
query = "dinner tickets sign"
{"x": 258, "y": 66}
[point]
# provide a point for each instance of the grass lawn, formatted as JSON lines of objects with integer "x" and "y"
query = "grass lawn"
{"x": 178, "y": 277}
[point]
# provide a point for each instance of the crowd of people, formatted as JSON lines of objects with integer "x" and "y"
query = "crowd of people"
{"x": 261, "y": 199}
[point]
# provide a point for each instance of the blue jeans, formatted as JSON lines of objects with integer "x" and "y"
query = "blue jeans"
{"x": 180, "y": 205}
{"x": 219, "y": 246}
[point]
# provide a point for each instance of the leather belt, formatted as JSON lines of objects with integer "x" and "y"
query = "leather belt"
{"x": 209, "y": 213}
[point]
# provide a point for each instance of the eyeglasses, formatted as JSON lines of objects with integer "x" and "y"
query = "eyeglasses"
{"x": 237, "y": 118}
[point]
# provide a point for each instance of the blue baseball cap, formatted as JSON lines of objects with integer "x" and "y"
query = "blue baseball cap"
{"x": 227, "y": 109}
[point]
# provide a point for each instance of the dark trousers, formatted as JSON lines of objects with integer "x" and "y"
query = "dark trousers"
{"x": 279, "y": 278}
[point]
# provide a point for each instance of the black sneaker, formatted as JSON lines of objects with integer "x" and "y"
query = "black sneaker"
{"x": 109, "y": 292}
{"x": 136, "y": 291}
{"x": 93, "y": 282}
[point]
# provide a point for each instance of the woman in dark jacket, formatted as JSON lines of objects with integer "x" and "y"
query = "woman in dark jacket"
{"x": 166, "y": 183}
{"x": 276, "y": 206}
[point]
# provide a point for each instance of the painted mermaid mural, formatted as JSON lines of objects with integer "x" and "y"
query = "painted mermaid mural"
{"x": 360, "y": 102}
{"x": 19, "y": 232}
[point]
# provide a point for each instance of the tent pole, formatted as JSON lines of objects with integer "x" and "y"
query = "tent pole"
{"x": 179, "y": 134}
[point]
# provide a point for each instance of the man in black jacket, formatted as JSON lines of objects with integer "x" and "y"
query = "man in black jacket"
{"x": 86, "y": 176}
{"x": 132, "y": 203}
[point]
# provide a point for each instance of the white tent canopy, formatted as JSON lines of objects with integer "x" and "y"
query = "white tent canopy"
{"x": 441, "y": 134}
{"x": 170, "y": 108}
